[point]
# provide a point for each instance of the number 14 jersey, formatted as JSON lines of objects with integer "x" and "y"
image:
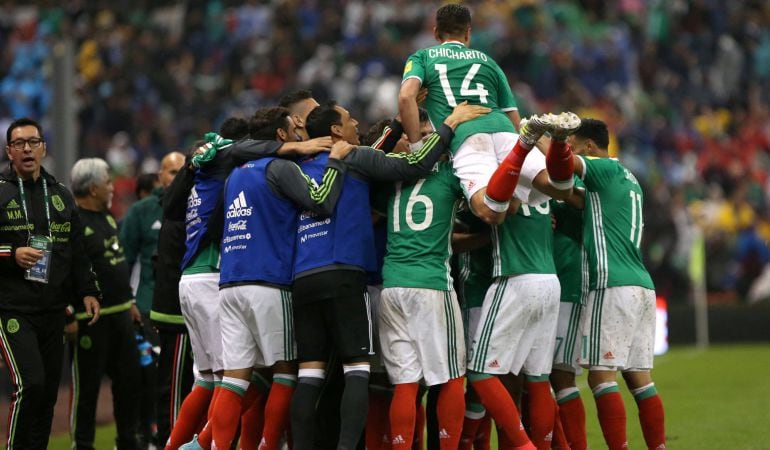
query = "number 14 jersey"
{"x": 454, "y": 73}
{"x": 420, "y": 221}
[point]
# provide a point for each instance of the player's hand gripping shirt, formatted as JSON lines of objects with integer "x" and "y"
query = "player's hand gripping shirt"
{"x": 613, "y": 225}
{"x": 454, "y": 73}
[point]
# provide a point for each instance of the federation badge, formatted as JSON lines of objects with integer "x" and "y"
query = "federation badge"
{"x": 85, "y": 342}
{"x": 408, "y": 67}
{"x": 12, "y": 326}
{"x": 57, "y": 203}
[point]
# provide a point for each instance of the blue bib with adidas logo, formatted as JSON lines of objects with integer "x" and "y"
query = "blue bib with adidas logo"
{"x": 259, "y": 230}
{"x": 200, "y": 205}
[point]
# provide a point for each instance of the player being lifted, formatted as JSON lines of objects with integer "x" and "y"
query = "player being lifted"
{"x": 453, "y": 73}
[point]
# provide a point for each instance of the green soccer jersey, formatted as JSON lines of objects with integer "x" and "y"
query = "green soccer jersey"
{"x": 568, "y": 253}
{"x": 474, "y": 268}
{"x": 454, "y": 73}
{"x": 421, "y": 216}
{"x": 612, "y": 225}
{"x": 523, "y": 244}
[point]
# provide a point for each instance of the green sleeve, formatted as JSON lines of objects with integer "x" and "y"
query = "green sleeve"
{"x": 597, "y": 172}
{"x": 130, "y": 233}
{"x": 415, "y": 67}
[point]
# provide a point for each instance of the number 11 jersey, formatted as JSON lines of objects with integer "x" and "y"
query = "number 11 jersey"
{"x": 454, "y": 73}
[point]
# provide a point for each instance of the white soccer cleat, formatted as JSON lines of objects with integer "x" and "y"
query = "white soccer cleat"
{"x": 562, "y": 125}
{"x": 532, "y": 128}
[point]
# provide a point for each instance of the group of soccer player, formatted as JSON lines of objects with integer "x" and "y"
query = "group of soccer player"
{"x": 306, "y": 251}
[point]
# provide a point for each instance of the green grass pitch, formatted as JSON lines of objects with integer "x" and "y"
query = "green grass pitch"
{"x": 715, "y": 398}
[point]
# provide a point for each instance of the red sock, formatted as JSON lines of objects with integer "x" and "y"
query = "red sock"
{"x": 377, "y": 421}
{"x": 573, "y": 418}
{"x": 559, "y": 162}
{"x": 542, "y": 410}
{"x": 471, "y": 427}
{"x": 276, "y": 415}
{"x": 252, "y": 420}
{"x": 402, "y": 415}
{"x": 651, "y": 417}
{"x": 419, "y": 428}
{"x": 612, "y": 418}
{"x": 484, "y": 434}
{"x": 225, "y": 417}
{"x": 204, "y": 437}
{"x": 500, "y": 405}
{"x": 503, "y": 182}
{"x": 451, "y": 411}
{"x": 192, "y": 411}
{"x": 559, "y": 437}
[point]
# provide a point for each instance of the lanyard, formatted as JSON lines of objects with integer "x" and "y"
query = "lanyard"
{"x": 45, "y": 201}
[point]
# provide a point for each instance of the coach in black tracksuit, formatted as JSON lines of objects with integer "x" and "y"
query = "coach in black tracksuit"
{"x": 34, "y": 205}
{"x": 108, "y": 347}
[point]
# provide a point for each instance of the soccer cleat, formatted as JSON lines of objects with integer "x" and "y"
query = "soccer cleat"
{"x": 532, "y": 128}
{"x": 192, "y": 445}
{"x": 562, "y": 125}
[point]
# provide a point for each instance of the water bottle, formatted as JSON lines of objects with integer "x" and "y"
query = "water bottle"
{"x": 145, "y": 349}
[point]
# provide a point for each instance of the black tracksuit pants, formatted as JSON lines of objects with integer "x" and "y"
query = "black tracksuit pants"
{"x": 32, "y": 346}
{"x": 175, "y": 378}
{"x": 107, "y": 347}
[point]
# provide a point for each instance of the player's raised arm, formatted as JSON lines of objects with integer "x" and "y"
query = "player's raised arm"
{"x": 407, "y": 107}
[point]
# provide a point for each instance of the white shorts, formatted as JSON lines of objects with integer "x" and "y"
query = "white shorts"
{"x": 477, "y": 158}
{"x": 533, "y": 165}
{"x": 374, "y": 305}
{"x": 421, "y": 335}
{"x": 619, "y": 328}
{"x": 471, "y": 317}
{"x": 257, "y": 326}
{"x": 199, "y": 302}
{"x": 517, "y": 328}
{"x": 568, "y": 338}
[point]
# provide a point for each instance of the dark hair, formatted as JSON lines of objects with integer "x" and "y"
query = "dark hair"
{"x": 320, "y": 120}
{"x": 145, "y": 183}
{"x": 423, "y": 114}
{"x": 266, "y": 121}
{"x": 295, "y": 97}
{"x": 374, "y": 132}
{"x": 596, "y": 130}
{"x": 234, "y": 128}
{"x": 452, "y": 20}
{"x": 23, "y": 122}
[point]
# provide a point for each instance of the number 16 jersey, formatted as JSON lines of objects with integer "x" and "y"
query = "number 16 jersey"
{"x": 420, "y": 222}
{"x": 454, "y": 73}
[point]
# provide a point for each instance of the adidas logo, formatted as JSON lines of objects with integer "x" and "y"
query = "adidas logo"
{"x": 443, "y": 434}
{"x": 13, "y": 204}
{"x": 398, "y": 440}
{"x": 193, "y": 200}
{"x": 608, "y": 355}
{"x": 262, "y": 443}
{"x": 88, "y": 231}
{"x": 661, "y": 447}
{"x": 549, "y": 436}
{"x": 238, "y": 207}
{"x": 494, "y": 364}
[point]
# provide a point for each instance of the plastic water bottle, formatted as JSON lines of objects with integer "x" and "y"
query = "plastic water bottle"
{"x": 145, "y": 349}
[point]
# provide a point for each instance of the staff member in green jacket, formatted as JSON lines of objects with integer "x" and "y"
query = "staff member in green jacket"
{"x": 139, "y": 236}
{"x": 108, "y": 347}
{"x": 43, "y": 266}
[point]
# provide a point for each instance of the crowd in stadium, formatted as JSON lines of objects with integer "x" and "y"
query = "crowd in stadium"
{"x": 684, "y": 86}
{"x": 681, "y": 86}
